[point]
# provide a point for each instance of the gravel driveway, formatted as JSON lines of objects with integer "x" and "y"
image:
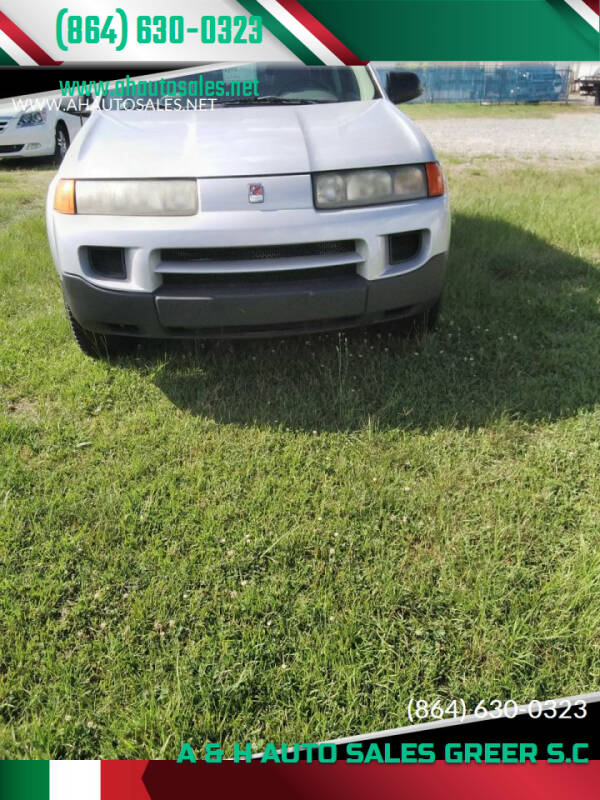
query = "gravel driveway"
{"x": 563, "y": 136}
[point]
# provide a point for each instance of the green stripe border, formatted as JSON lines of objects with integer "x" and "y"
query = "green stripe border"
{"x": 459, "y": 30}
{"x": 6, "y": 61}
{"x": 280, "y": 32}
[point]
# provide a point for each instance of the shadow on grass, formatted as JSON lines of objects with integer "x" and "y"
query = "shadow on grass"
{"x": 519, "y": 337}
{"x": 39, "y": 163}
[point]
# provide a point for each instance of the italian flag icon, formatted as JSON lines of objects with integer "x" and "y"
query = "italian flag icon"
{"x": 72, "y": 780}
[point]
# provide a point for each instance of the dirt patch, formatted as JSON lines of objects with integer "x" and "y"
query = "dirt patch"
{"x": 23, "y": 408}
{"x": 563, "y": 138}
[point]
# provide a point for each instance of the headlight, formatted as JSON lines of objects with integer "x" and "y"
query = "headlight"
{"x": 31, "y": 118}
{"x": 367, "y": 187}
{"x": 155, "y": 198}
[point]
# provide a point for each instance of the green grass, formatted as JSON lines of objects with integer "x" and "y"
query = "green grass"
{"x": 499, "y": 111}
{"x": 286, "y": 540}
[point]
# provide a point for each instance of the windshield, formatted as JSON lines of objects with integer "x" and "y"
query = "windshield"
{"x": 243, "y": 85}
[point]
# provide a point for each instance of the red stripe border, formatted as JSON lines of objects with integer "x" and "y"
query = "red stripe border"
{"x": 320, "y": 31}
{"x": 26, "y": 44}
{"x": 594, "y": 5}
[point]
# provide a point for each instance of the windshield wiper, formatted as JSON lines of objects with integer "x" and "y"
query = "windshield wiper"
{"x": 269, "y": 100}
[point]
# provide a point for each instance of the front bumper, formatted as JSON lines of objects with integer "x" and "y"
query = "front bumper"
{"x": 279, "y": 267}
{"x": 28, "y": 142}
{"x": 267, "y": 309}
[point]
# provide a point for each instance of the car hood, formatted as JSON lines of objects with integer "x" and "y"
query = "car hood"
{"x": 245, "y": 141}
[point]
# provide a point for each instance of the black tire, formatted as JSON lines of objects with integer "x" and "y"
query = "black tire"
{"x": 98, "y": 345}
{"x": 61, "y": 142}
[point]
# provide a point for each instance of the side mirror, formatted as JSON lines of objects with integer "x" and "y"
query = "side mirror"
{"x": 403, "y": 86}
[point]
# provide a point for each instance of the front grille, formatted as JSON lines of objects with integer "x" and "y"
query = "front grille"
{"x": 254, "y": 279}
{"x": 11, "y": 148}
{"x": 200, "y": 254}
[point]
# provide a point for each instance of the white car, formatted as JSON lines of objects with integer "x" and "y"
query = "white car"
{"x": 313, "y": 205}
{"x": 44, "y": 129}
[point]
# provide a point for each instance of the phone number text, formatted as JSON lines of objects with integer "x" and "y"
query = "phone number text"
{"x": 420, "y": 710}
{"x": 115, "y": 29}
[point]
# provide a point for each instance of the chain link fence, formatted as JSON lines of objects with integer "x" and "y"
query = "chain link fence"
{"x": 489, "y": 83}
